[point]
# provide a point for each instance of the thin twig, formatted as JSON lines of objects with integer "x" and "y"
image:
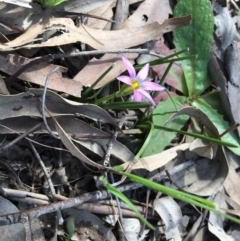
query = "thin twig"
{"x": 47, "y": 176}
{"x": 35, "y": 142}
{"x": 25, "y": 216}
{"x": 107, "y": 162}
{"x": 50, "y": 57}
{"x": 20, "y": 137}
{"x": 110, "y": 51}
{"x": 23, "y": 194}
{"x": 43, "y": 103}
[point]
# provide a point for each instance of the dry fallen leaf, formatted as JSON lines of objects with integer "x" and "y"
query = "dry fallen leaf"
{"x": 38, "y": 73}
{"x": 154, "y": 162}
{"x": 149, "y": 11}
{"x": 231, "y": 183}
{"x": 204, "y": 148}
{"x": 96, "y": 67}
{"x": 232, "y": 62}
{"x": 216, "y": 223}
{"x": 72, "y": 126}
{"x": 22, "y": 3}
{"x": 104, "y": 11}
{"x": 69, "y": 33}
{"x": 225, "y": 27}
{"x": 205, "y": 177}
{"x": 28, "y": 104}
{"x": 171, "y": 214}
{"x": 72, "y": 148}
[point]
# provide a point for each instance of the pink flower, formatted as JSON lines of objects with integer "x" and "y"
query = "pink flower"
{"x": 138, "y": 81}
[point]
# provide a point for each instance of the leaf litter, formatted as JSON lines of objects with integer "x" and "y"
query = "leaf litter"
{"x": 79, "y": 137}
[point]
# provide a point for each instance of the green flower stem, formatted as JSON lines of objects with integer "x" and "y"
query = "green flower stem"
{"x": 175, "y": 54}
{"x": 196, "y": 135}
{"x": 171, "y": 99}
{"x": 125, "y": 105}
{"x": 106, "y": 98}
{"x": 125, "y": 90}
{"x": 194, "y": 56}
{"x": 161, "y": 82}
{"x": 100, "y": 90}
{"x": 166, "y": 60}
{"x": 146, "y": 142}
{"x": 98, "y": 80}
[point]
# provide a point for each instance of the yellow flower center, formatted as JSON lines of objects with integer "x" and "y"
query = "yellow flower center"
{"x": 135, "y": 84}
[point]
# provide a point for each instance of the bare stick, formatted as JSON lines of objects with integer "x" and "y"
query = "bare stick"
{"x": 47, "y": 176}
{"x": 43, "y": 103}
{"x": 50, "y": 57}
{"x": 121, "y": 14}
{"x": 20, "y": 137}
{"x": 22, "y": 217}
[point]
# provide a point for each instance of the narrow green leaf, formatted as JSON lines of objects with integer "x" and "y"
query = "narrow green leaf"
{"x": 186, "y": 197}
{"x": 121, "y": 196}
{"x": 51, "y": 3}
{"x": 220, "y": 124}
{"x": 124, "y": 105}
{"x": 198, "y": 37}
{"x": 161, "y": 114}
{"x": 70, "y": 226}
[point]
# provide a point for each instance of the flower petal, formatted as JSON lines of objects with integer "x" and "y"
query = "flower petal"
{"x": 147, "y": 85}
{"x": 129, "y": 67}
{"x": 137, "y": 96}
{"x": 147, "y": 95}
{"x": 143, "y": 73}
{"x": 125, "y": 79}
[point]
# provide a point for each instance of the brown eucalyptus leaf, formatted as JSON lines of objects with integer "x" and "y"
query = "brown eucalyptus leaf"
{"x": 14, "y": 231}
{"x": 29, "y": 16}
{"x": 104, "y": 11}
{"x": 37, "y": 74}
{"x": 3, "y": 87}
{"x": 171, "y": 214}
{"x": 98, "y": 39}
{"x": 22, "y": 3}
{"x": 81, "y": 6}
{"x": 147, "y": 13}
{"x": 96, "y": 67}
{"x": 204, "y": 148}
{"x": 231, "y": 183}
{"x": 72, "y": 148}
{"x": 156, "y": 161}
{"x": 132, "y": 227}
{"x": 235, "y": 207}
{"x": 25, "y": 17}
{"x": 232, "y": 61}
{"x": 205, "y": 177}
{"x": 216, "y": 72}
{"x": 216, "y": 222}
{"x": 201, "y": 117}
{"x": 225, "y": 27}
{"x": 29, "y": 104}
{"x": 72, "y": 126}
